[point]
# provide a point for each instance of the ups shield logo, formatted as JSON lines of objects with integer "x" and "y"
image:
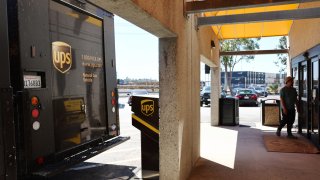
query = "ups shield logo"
{"x": 61, "y": 56}
{"x": 147, "y": 107}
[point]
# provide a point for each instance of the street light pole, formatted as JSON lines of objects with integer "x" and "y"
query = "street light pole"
{"x": 245, "y": 82}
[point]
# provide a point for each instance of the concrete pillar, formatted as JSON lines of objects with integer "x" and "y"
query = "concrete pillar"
{"x": 180, "y": 44}
{"x": 215, "y": 95}
{"x": 169, "y": 122}
{"x": 289, "y": 66}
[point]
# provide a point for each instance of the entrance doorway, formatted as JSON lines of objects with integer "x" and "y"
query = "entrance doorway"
{"x": 305, "y": 70}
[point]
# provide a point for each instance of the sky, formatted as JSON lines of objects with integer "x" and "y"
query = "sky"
{"x": 262, "y": 63}
{"x": 137, "y": 54}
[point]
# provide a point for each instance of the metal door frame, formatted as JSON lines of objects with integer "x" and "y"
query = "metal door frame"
{"x": 315, "y": 59}
{"x": 301, "y": 66}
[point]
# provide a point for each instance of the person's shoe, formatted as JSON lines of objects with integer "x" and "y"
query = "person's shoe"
{"x": 278, "y": 133}
{"x": 292, "y": 137}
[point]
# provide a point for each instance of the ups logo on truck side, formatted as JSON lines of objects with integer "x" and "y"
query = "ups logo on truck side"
{"x": 147, "y": 107}
{"x": 61, "y": 56}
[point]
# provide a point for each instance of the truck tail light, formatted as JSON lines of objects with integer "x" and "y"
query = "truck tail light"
{"x": 35, "y": 113}
{"x": 34, "y": 101}
{"x": 40, "y": 160}
{"x": 113, "y": 102}
{"x": 36, "y": 125}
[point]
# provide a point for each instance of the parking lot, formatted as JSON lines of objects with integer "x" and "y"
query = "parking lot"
{"x": 248, "y": 115}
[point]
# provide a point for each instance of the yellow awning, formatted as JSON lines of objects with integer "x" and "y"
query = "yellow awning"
{"x": 250, "y": 30}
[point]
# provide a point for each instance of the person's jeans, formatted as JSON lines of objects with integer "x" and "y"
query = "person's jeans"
{"x": 287, "y": 119}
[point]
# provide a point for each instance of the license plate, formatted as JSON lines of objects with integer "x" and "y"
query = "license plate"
{"x": 246, "y": 97}
{"x": 32, "y": 81}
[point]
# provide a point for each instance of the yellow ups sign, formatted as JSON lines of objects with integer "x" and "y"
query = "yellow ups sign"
{"x": 61, "y": 56}
{"x": 147, "y": 107}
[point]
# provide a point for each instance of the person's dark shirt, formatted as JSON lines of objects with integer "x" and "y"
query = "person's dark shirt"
{"x": 289, "y": 96}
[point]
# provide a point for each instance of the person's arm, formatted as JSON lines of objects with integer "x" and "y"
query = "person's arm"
{"x": 297, "y": 104}
{"x": 283, "y": 105}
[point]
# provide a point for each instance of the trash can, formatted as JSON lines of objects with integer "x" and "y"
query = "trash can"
{"x": 229, "y": 111}
{"x": 145, "y": 117}
{"x": 270, "y": 109}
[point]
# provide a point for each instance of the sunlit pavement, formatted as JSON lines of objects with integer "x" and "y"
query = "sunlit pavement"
{"x": 129, "y": 152}
{"x": 120, "y": 162}
{"x": 223, "y": 150}
{"x": 126, "y": 157}
{"x": 219, "y": 150}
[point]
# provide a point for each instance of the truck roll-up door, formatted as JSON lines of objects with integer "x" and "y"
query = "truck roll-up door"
{"x": 78, "y": 79}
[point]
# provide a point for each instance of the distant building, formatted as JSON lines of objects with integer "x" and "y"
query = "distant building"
{"x": 244, "y": 79}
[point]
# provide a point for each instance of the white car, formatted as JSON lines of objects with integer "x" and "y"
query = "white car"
{"x": 136, "y": 92}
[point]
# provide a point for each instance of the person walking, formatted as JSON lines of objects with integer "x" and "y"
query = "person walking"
{"x": 288, "y": 100}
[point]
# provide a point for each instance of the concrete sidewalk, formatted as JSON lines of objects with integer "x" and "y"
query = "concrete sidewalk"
{"x": 238, "y": 152}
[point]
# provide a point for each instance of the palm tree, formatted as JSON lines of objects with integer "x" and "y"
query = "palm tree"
{"x": 273, "y": 88}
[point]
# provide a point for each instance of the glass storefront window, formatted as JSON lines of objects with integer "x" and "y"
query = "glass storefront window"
{"x": 304, "y": 82}
{"x": 295, "y": 78}
{"x": 315, "y": 67}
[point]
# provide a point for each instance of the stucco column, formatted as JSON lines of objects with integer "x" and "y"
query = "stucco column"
{"x": 169, "y": 122}
{"x": 215, "y": 95}
{"x": 289, "y": 66}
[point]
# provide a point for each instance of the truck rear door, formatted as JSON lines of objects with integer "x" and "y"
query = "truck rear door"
{"x": 63, "y": 74}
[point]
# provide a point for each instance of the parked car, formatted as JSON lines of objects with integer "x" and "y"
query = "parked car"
{"x": 247, "y": 97}
{"x": 136, "y": 92}
{"x": 260, "y": 91}
{"x": 235, "y": 90}
{"x": 205, "y": 95}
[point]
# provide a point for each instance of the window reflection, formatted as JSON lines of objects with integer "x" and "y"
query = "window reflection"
{"x": 315, "y": 82}
{"x": 315, "y": 97}
{"x": 296, "y": 78}
{"x": 79, "y": 99}
{"x": 304, "y": 81}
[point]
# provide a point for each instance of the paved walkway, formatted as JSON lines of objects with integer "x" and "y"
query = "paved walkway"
{"x": 238, "y": 152}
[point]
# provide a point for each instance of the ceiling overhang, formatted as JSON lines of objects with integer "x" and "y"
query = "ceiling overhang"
{"x": 232, "y": 19}
{"x": 253, "y": 52}
{"x": 260, "y": 17}
{"x": 218, "y": 5}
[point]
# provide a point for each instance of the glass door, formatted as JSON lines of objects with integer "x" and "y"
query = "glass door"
{"x": 303, "y": 96}
{"x": 296, "y": 85}
{"x": 315, "y": 99}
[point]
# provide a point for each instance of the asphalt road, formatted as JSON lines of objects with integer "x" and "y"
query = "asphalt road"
{"x": 120, "y": 162}
{"x": 124, "y": 160}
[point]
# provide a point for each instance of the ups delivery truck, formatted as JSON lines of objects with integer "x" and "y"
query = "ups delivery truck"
{"x": 57, "y": 85}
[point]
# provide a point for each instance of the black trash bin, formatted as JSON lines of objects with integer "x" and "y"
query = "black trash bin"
{"x": 270, "y": 111}
{"x": 145, "y": 117}
{"x": 228, "y": 111}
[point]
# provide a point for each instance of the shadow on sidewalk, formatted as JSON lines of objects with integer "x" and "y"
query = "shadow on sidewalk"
{"x": 86, "y": 171}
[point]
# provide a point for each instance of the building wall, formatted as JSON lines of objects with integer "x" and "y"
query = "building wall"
{"x": 180, "y": 46}
{"x": 190, "y": 44}
{"x": 245, "y": 78}
{"x": 206, "y": 35}
{"x": 304, "y": 34}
